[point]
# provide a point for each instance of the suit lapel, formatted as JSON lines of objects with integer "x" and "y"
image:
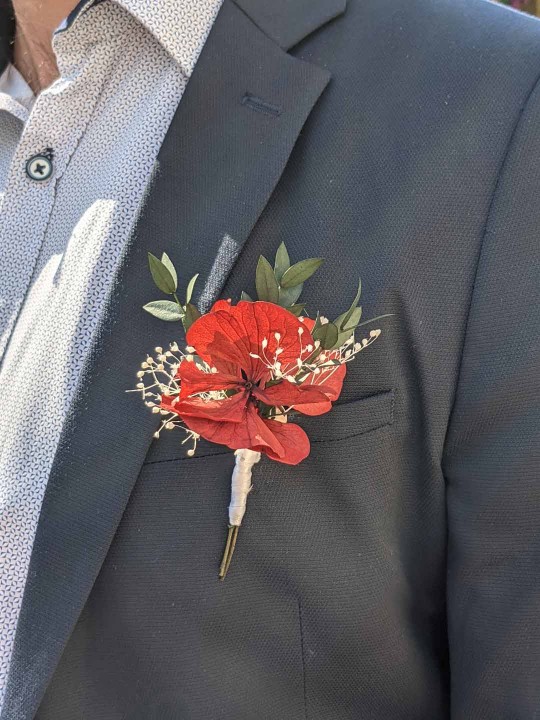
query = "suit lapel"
{"x": 7, "y": 29}
{"x": 227, "y": 146}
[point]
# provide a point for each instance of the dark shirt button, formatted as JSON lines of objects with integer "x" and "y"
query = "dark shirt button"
{"x": 39, "y": 168}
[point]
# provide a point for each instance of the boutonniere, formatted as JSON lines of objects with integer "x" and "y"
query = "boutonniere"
{"x": 247, "y": 370}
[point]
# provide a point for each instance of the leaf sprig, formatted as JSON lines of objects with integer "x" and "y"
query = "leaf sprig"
{"x": 281, "y": 284}
{"x": 166, "y": 279}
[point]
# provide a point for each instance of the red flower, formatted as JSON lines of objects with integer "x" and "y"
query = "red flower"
{"x": 246, "y": 349}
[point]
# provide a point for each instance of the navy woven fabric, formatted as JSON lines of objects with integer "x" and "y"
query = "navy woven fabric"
{"x": 395, "y": 574}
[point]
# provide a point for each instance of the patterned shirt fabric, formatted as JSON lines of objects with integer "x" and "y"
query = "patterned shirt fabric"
{"x": 16, "y": 100}
{"x": 123, "y": 65}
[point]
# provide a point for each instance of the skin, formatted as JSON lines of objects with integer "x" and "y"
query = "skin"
{"x": 33, "y": 54}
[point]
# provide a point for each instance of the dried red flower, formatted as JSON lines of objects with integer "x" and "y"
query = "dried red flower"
{"x": 251, "y": 355}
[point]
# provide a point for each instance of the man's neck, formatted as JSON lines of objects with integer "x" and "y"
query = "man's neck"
{"x": 33, "y": 55}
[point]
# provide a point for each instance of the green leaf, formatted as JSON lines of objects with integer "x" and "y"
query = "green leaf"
{"x": 317, "y": 323}
{"x": 327, "y": 334}
{"x": 190, "y": 287}
{"x": 164, "y": 310}
{"x": 161, "y": 275}
{"x": 354, "y": 320}
{"x": 300, "y": 272}
{"x": 191, "y": 315}
{"x": 282, "y": 262}
{"x": 246, "y": 297}
{"x": 372, "y": 320}
{"x": 296, "y": 309}
{"x": 288, "y": 296}
{"x": 265, "y": 281}
{"x": 166, "y": 260}
{"x": 346, "y": 332}
{"x": 348, "y": 314}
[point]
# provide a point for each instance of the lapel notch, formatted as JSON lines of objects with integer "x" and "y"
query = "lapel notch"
{"x": 290, "y": 21}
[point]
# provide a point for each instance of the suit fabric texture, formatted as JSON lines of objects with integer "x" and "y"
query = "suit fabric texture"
{"x": 394, "y": 574}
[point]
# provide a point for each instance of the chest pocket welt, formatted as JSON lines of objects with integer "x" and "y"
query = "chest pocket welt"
{"x": 351, "y": 418}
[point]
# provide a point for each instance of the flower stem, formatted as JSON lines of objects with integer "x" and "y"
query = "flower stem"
{"x": 245, "y": 459}
{"x": 232, "y": 535}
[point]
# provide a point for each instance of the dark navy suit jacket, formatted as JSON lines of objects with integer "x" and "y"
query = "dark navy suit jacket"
{"x": 395, "y": 574}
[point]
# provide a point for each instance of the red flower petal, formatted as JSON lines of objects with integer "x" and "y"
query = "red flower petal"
{"x": 293, "y": 440}
{"x": 286, "y": 393}
{"x": 217, "y": 411}
{"x": 221, "y": 305}
{"x": 233, "y": 333}
{"x": 330, "y": 383}
{"x": 193, "y": 380}
{"x": 247, "y": 432}
{"x": 284, "y": 442}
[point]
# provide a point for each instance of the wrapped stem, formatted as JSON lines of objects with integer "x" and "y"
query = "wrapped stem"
{"x": 240, "y": 487}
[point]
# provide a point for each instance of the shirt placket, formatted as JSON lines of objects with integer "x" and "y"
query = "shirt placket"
{"x": 55, "y": 127}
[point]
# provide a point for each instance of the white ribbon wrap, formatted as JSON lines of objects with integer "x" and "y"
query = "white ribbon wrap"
{"x": 241, "y": 484}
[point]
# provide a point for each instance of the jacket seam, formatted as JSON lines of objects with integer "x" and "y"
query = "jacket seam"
{"x": 491, "y": 205}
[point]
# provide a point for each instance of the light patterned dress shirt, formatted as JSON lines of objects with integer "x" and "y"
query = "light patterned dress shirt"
{"x": 124, "y": 65}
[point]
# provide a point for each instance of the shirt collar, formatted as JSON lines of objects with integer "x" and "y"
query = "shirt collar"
{"x": 165, "y": 20}
{"x": 16, "y": 96}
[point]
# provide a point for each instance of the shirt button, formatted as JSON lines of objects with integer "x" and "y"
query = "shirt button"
{"x": 39, "y": 168}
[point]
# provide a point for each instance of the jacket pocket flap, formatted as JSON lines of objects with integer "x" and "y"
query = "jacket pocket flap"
{"x": 351, "y": 418}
